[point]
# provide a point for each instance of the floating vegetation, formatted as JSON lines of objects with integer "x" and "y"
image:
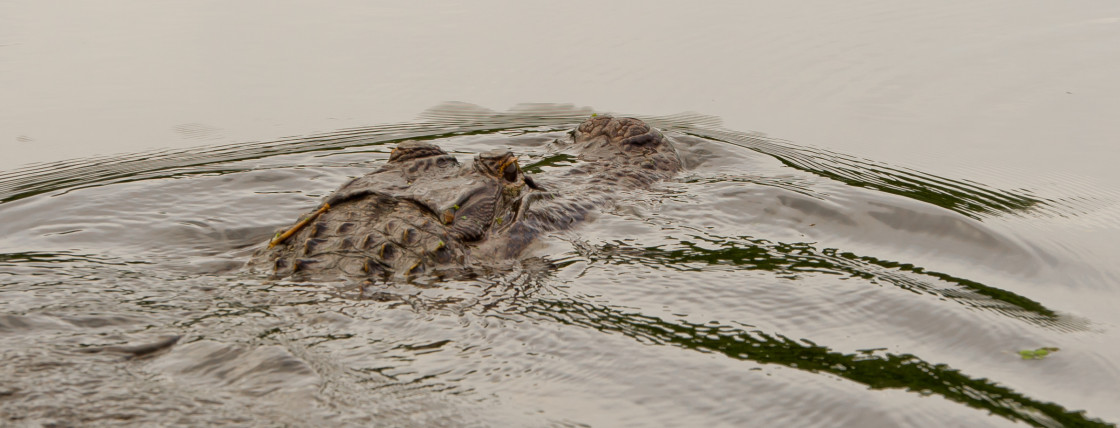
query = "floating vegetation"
{"x": 1036, "y": 354}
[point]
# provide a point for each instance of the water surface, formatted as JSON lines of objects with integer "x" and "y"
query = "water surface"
{"x": 770, "y": 283}
{"x": 940, "y": 198}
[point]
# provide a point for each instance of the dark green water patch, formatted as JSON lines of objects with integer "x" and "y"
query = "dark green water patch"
{"x": 970, "y": 199}
{"x": 185, "y": 298}
{"x": 61, "y": 257}
{"x": 791, "y": 260}
{"x": 557, "y": 160}
{"x": 47, "y": 177}
{"x": 457, "y": 119}
{"x": 874, "y": 369}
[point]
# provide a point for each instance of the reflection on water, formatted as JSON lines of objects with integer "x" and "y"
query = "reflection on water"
{"x": 910, "y": 306}
{"x": 875, "y": 369}
{"x": 789, "y": 260}
{"x": 964, "y": 197}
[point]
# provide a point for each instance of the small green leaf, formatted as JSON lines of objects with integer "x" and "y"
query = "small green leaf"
{"x": 498, "y": 220}
{"x": 594, "y": 114}
{"x": 1036, "y": 354}
{"x": 455, "y": 207}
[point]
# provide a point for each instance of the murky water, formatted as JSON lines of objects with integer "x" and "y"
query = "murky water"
{"x": 771, "y": 283}
{"x": 941, "y": 198}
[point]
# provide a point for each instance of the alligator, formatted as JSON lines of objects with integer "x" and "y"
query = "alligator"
{"x": 424, "y": 213}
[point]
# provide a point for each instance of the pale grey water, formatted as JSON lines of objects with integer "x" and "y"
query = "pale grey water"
{"x": 942, "y": 189}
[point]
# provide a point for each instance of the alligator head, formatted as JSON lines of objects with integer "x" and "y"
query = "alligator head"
{"x": 625, "y": 141}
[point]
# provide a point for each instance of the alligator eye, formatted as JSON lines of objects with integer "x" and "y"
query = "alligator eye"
{"x": 509, "y": 173}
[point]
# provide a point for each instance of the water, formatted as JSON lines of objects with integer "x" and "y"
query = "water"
{"x": 940, "y": 200}
{"x": 771, "y": 283}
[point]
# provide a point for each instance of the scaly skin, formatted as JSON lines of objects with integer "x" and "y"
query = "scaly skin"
{"x": 424, "y": 213}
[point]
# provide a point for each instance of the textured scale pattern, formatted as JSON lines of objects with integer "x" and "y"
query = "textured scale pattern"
{"x": 424, "y": 213}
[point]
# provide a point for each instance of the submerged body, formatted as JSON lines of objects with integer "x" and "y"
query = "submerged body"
{"x": 424, "y": 213}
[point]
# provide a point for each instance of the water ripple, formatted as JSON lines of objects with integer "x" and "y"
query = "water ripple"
{"x": 451, "y": 119}
{"x": 647, "y": 306}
